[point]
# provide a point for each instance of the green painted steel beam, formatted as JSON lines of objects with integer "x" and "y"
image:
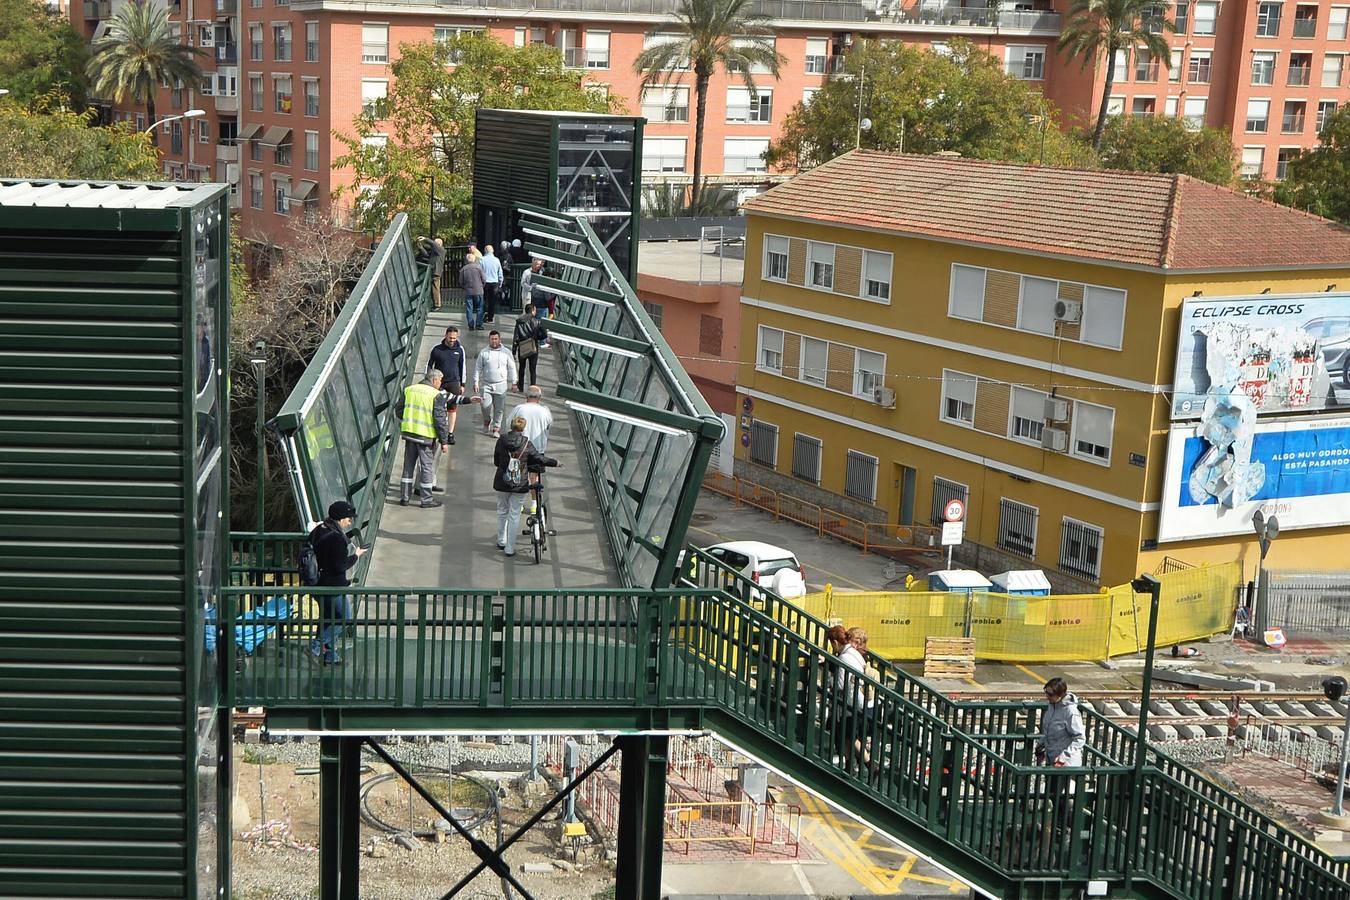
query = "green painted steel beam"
{"x": 548, "y": 283}
{"x": 641, "y": 825}
{"x": 576, "y": 260}
{"x": 632, "y": 409}
{"x": 604, "y": 339}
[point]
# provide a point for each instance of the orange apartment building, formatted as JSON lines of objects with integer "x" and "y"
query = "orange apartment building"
{"x": 282, "y": 75}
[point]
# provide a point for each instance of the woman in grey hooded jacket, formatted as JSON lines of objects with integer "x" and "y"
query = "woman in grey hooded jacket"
{"x": 1061, "y": 744}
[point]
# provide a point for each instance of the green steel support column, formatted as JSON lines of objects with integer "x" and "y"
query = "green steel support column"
{"x": 349, "y": 838}
{"x": 642, "y": 804}
{"x": 330, "y": 822}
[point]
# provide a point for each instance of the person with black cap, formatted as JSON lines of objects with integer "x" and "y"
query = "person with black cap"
{"x": 334, "y": 555}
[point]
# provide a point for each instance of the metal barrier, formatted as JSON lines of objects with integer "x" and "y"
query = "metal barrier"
{"x": 1306, "y": 603}
{"x": 870, "y": 537}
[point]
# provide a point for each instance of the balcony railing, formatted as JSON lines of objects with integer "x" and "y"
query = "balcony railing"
{"x": 282, "y": 51}
{"x": 1294, "y": 124}
{"x": 1300, "y": 75}
{"x": 227, "y": 7}
{"x": 1146, "y": 73}
{"x": 1305, "y": 28}
{"x": 227, "y": 53}
{"x": 654, "y": 112}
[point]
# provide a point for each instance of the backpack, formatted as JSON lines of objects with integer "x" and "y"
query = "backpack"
{"x": 514, "y": 476}
{"x": 309, "y": 562}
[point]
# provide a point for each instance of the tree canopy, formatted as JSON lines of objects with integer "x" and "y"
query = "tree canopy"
{"x": 428, "y": 119}
{"x": 1318, "y": 180}
{"x": 59, "y": 143}
{"x": 925, "y": 102}
{"x": 141, "y": 50}
{"x": 1165, "y": 144}
{"x": 41, "y": 55}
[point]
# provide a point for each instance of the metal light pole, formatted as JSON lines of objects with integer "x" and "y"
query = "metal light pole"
{"x": 259, "y": 363}
{"x": 1144, "y": 584}
{"x": 1266, "y": 530}
{"x": 862, "y": 81}
{"x": 190, "y": 114}
{"x": 1334, "y": 688}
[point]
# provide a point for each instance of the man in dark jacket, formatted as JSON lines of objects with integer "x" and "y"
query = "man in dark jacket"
{"x": 335, "y": 555}
{"x": 529, "y": 334}
{"x": 514, "y": 457}
{"x": 449, "y": 358}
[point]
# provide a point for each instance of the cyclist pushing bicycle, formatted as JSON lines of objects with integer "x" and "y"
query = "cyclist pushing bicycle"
{"x": 515, "y": 457}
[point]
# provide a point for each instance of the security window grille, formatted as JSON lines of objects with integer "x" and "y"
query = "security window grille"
{"x": 806, "y": 458}
{"x": 655, "y": 310}
{"x": 860, "y": 477}
{"x": 1080, "y": 549}
{"x": 944, "y": 492}
{"x": 764, "y": 444}
{"x": 1017, "y": 527}
{"x": 775, "y": 258}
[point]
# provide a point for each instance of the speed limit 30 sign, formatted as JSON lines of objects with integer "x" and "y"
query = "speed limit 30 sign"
{"x": 954, "y": 511}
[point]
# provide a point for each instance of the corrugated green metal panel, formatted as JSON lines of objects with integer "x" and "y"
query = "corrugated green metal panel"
{"x": 108, "y": 426}
{"x": 513, "y": 158}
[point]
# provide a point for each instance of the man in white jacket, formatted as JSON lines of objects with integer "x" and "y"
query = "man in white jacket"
{"x": 493, "y": 373}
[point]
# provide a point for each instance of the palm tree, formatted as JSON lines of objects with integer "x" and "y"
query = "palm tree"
{"x": 709, "y": 33}
{"x": 1106, "y": 27}
{"x": 139, "y": 51}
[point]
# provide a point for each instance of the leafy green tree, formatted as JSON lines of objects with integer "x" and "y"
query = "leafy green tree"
{"x": 1103, "y": 28}
{"x": 139, "y": 51}
{"x": 40, "y": 53}
{"x": 922, "y": 102}
{"x": 1318, "y": 180}
{"x": 710, "y": 33}
{"x": 1165, "y": 144}
{"x": 429, "y": 119}
{"x": 56, "y": 142}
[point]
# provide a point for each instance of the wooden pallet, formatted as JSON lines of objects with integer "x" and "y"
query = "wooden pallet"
{"x": 948, "y": 657}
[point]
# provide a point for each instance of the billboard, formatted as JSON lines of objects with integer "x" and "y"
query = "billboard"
{"x": 1297, "y": 469}
{"x": 1284, "y": 354}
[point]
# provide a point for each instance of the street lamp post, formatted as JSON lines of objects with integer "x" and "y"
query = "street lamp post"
{"x": 1267, "y": 530}
{"x": 259, "y": 363}
{"x": 190, "y": 114}
{"x": 1144, "y": 584}
{"x": 1334, "y": 688}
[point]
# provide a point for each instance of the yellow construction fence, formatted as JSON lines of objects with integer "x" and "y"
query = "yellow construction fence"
{"x": 1194, "y": 604}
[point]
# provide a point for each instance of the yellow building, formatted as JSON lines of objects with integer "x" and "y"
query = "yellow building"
{"x": 921, "y": 328}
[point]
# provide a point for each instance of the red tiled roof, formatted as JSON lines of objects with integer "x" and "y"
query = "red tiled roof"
{"x": 1139, "y": 218}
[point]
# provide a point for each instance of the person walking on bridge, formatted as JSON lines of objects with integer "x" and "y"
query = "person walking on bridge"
{"x": 493, "y": 372}
{"x": 493, "y": 277}
{"x": 450, "y": 358}
{"x": 425, "y": 424}
{"x": 1061, "y": 745}
{"x": 334, "y": 555}
{"x": 514, "y": 457}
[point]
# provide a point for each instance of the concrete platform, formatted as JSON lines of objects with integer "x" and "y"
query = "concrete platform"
{"x": 455, "y": 546}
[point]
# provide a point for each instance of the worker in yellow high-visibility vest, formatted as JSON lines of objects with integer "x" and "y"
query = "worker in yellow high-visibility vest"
{"x": 425, "y": 424}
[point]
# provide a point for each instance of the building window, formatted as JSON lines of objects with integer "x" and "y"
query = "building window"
{"x": 807, "y": 94}
{"x": 1300, "y": 69}
{"x": 1080, "y": 549}
{"x": 869, "y": 372}
{"x": 1258, "y": 116}
{"x": 1121, "y": 70}
{"x": 255, "y": 150}
{"x": 1145, "y": 66}
{"x": 1183, "y": 20}
{"x": 771, "y": 349}
{"x": 255, "y": 93}
{"x": 1263, "y": 68}
{"x": 1268, "y": 19}
{"x": 374, "y": 93}
{"x": 281, "y": 90}
{"x": 1026, "y": 420}
{"x": 1143, "y": 107}
{"x": 1205, "y": 14}
{"x": 282, "y": 196}
{"x": 967, "y": 293}
{"x": 1325, "y": 110}
{"x": 656, "y": 312}
{"x": 665, "y": 104}
{"x": 311, "y": 98}
{"x": 742, "y": 107}
{"x": 1036, "y": 311}
{"x": 1092, "y": 427}
{"x": 1103, "y": 317}
{"x": 1198, "y": 68}
{"x": 663, "y": 154}
{"x": 741, "y": 155}
{"x": 816, "y": 51}
{"x": 945, "y": 492}
{"x": 806, "y": 458}
{"x": 203, "y": 132}
{"x": 281, "y": 43}
{"x": 860, "y": 477}
{"x": 820, "y": 265}
{"x": 1170, "y": 107}
{"x": 958, "y": 398}
{"x": 597, "y": 49}
{"x": 1194, "y": 114}
{"x": 282, "y": 155}
{"x": 815, "y": 360}
{"x": 312, "y": 151}
{"x": 1115, "y": 106}
{"x": 653, "y": 39}
{"x": 375, "y": 44}
{"x": 255, "y": 41}
{"x": 1017, "y": 527}
{"x": 1332, "y": 66}
{"x": 710, "y": 335}
{"x": 1027, "y": 63}
{"x": 255, "y": 191}
{"x": 1337, "y": 20}
{"x": 311, "y": 42}
{"x": 1295, "y": 117}
{"x": 764, "y": 444}
{"x": 1282, "y": 162}
{"x": 775, "y": 257}
{"x": 1174, "y": 70}
{"x": 1305, "y": 21}
{"x": 877, "y": 275}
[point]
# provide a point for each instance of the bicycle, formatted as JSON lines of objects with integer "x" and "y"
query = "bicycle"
{"x": 536, "y": 525}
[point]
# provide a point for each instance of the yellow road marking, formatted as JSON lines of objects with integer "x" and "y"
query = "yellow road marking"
{"x": 834, "y": 578}
{"x": 1021, "y": 668}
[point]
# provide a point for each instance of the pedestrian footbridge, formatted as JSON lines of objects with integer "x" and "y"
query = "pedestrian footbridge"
{"x": 617, "y": 632}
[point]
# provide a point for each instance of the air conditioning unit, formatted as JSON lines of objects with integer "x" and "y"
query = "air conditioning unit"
{"x": 884, "y": 397}
{"x": 1056, "y": 409}
{"x": 1068, "y": 311}
{"x": 1055, "y": 439}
